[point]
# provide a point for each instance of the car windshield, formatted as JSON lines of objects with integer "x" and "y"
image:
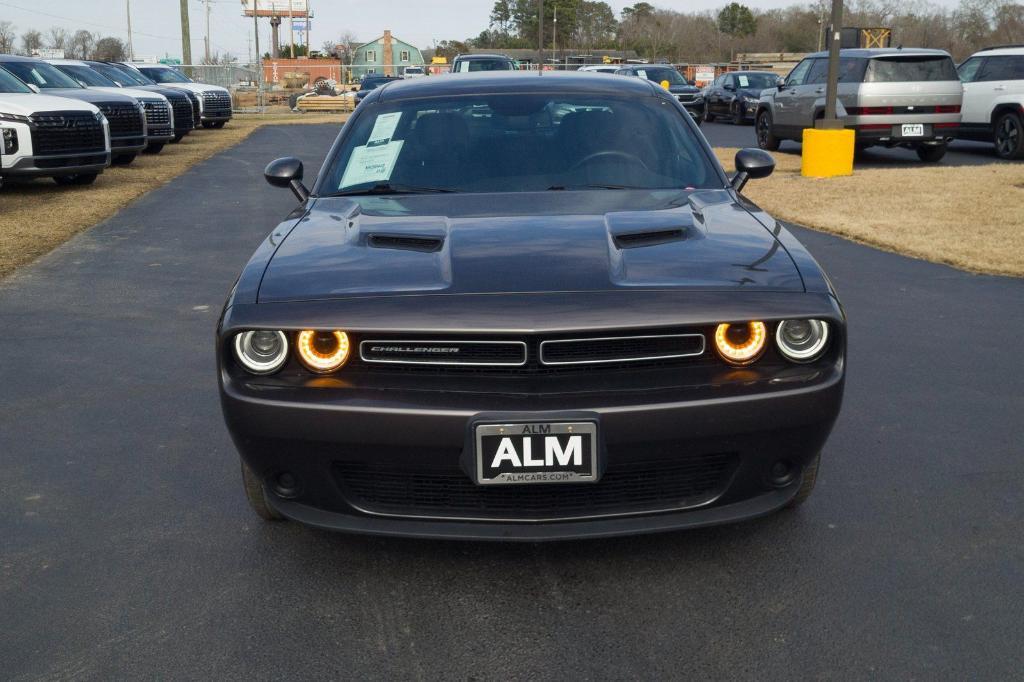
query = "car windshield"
{"x": 661, "y": 74}
{"x": 9, "y": 83}
{"x": 907, "y": 69}
{"x": 757, "y": 81}
{"x": 163, "y": 75}
{"x": 467, "y": 65}
{"x": 40, "y": 74}
{"x": 86, "y": 76}
{"x": 121, "y": 76}
{"x": 519, "y": 143}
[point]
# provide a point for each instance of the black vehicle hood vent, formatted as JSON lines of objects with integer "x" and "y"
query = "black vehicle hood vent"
{"x": 632, "y": 240}
{"x": 407, "y": 242}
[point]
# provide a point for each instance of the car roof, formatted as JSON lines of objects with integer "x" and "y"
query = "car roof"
{"x": 999, "y": 50}
{"x": 637, "y": 67}
{"x": 512, "y": 82}
{"x": 484, "y": 56}
{"x": 17, "y": 58}
{"x": 871, "y": 53}
{"x": 66, "y": 62}
{"x": 747, "y": 73}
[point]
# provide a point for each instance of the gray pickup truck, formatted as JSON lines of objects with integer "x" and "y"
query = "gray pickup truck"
{"x": 890, "y": 97}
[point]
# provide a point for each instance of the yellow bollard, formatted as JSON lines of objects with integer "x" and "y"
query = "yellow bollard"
{"x": 827, "y": 153}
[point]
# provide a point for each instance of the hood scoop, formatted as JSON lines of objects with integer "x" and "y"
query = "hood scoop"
{"x": 405, "y": 242}
{"x": 632, "y": 240}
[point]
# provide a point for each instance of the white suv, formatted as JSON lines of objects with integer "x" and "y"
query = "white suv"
{"x": 993, "y": 109}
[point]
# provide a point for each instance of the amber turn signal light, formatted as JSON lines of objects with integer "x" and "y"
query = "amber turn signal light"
{"x": 322, "y": 351}
{"x": 742, "y": 343}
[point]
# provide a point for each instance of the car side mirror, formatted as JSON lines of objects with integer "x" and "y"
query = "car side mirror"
{"x": 692, "y": 82}
{"x": 287, "y": 172}
{"x": 33, "y": 87}
{"x": 751, "y": 164}
{"x": 782, "y": 84}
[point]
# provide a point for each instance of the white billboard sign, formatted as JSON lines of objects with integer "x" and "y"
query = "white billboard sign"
{"x": 275, "y": 8}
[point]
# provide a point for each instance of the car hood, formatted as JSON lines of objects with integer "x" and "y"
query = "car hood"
{"x": 684, "y": 89}
{"x": 197, "y": 88}
{"x": 130, "y": 92}
{"x": 91, "y": 95}
{"x": 25, "y": 104}
{"x": 751, "y": 92}
{"x": 563, "y": 241}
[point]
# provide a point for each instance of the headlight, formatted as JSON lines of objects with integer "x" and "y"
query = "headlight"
{"x": 17, "y": 118}
{"x": 741, "y": 344}
{"x": 802, "y": 340}
{"x": 99, "y": 117}
{"x": 8, "y": 141}
{"x": 323, "y": 351}
{"x": 262, "y": 351}
{"x": 751, "y": 100}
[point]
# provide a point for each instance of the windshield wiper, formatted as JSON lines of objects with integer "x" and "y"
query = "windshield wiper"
{"x": 563, "y": 188}
{"x": 388, "y": 188}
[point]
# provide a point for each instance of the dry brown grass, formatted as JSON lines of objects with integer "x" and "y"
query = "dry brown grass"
{"x": 970, "y": 217}
{"x": 36, "y": 217}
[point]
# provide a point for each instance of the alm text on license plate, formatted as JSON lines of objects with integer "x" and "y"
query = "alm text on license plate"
{"x": 913, "y": 130}
{"x": 537, "y": 452}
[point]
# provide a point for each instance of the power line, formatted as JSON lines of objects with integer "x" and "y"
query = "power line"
{"x": 119, "y": 29}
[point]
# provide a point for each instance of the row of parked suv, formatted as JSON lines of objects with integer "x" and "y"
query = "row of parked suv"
{"x": 70, "y": 119}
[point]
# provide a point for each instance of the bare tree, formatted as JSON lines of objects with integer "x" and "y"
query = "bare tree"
{"x": 218, "y": 59}
{"x": 31, "y": 41}
{"x": 7, "y": 37}
{"x": 81, "y": 44}
{"x": 109, "y": 49}
{"x": 57, "y": 38}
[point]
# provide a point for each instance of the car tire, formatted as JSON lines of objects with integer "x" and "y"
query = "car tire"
{"x": 708, "y": 116}
{"x": 765, "y": 137}
{"x": 256, "y": 494}
{"x": 1009, "y": 136}
{"x": 808, "y": 477}
{"x": 154, "y": 148}
{"x": 76, "y": 180}
{"x": 219, "y": 124}
{"x": 737, "y": 114}
{"x": 931, "y": 153}
{"x": 122, "y": 159}
{"x": 207, "y": 124}
{"x": 178, "y": 138}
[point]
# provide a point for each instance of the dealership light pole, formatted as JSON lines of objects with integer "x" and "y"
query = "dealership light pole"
{"x": 186, "y": 38}
{"x": 540, "y": 35}
{"x": 128, "y": 9}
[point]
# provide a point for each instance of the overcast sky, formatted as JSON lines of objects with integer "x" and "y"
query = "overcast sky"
{"x": 156, "y": 25}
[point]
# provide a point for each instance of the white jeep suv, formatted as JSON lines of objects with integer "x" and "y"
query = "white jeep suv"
{"x": 993, "y": 109}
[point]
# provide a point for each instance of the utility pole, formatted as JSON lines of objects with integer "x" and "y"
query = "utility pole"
{"x": 291, "y": 25}
{"x": 259, "y": 60}
{"x": 554, "y": 36}
{"x": 128, "y": 8}
{"x": 186, "y": 38}
{"x": 207, "y": 3}
{"x": 540, "y": 36}
{"x": 309, "y": 15}
{"x": 831, "y": 91}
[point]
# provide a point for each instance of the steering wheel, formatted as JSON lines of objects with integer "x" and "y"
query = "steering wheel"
{"x": 609, "y": 154}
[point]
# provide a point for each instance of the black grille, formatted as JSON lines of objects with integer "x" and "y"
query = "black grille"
{"x": 623, "y": 489}
{"x": 70, "y": 132}
{"x": 422, "y": 352}
{"x": 620, "y": 349}
{"x": 216, "y": 103}
{"x": 688, "y": 99}
{"x": 158, "y": 117}
{"x": 182, "y": 112}
{"x": 196, "y": 110}
{"x": 124, "y": 118}
{"x": 64, "y": 162}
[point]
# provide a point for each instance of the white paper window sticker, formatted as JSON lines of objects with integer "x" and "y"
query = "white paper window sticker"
{"x": 744, "y": 82}
{"x": 642, "y": 73}
{"x": 384, "y": 128}
{"x": 371, "y": 164}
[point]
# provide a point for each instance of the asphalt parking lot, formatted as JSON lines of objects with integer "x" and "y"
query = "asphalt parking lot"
{"x": 128, "y": 550}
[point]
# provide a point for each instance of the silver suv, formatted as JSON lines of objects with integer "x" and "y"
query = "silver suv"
{"x": 994, "y": 99}
{"x": 891, "y": 97}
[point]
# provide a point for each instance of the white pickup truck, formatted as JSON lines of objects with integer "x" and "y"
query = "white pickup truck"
{"x": 58, "y": 137}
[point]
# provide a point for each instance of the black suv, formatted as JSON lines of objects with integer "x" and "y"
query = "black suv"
{"x": 372, "y": 81}
{"x": 689, "y": 95}
{"x": 464, "y": 63}
{"x": 735, "y": 95}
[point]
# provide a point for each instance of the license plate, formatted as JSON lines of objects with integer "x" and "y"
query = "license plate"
{"x": 538, "y": 452}
{"x": 913, "y": 130}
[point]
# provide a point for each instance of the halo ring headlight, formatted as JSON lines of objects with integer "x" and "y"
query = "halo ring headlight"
{"x": 261, "y": 351}
{"x": 802, "y": 340}
{"x": 322, "y": 352}
{"x": 742, "y": 343}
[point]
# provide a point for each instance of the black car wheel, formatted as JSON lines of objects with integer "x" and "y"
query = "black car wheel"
{"x": 1009, "y": 136}
{"x": 122, "y": 159}
{"x": 808, "y": 478}
{"x": 257, "y": 495}
{"x": 207, "y": 124}
{"x": 219, "y": 124}
{"x": 154, "y": 148}
{"x": 78, "y": 179}
{"x": 737, "y": 114}
{"x": 708, "y": 116}
{"x": 930, "y": 153}
{"x": 178, "y": 138}
{"x": 765, "y": 138}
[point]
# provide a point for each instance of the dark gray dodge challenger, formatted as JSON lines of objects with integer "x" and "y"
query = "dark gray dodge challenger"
{"x": 528, "y": 307}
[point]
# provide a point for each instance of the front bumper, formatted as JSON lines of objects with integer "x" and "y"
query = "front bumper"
{"x": 128, "y": 145}
{"x": 60, "y": 164}
{"x": 409, "y": 440}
